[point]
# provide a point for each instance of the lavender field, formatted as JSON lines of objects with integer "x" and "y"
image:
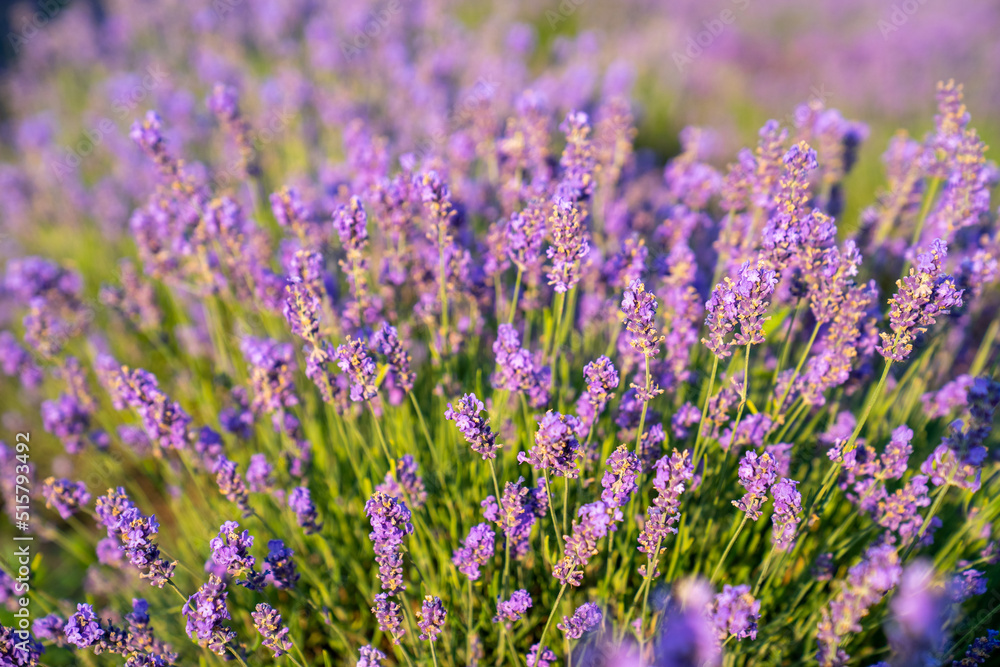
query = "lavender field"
{"x": 454, "y": 333}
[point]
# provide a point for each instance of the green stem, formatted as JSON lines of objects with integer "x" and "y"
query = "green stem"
{"x": 743, "y": 398}
{"x": 552, "y": 512}
{"x": 798, "y": 369}
{"x": 517, "y": 291}
{"x": 729, "y": 546}
{"x": 763, "y": 570}
{"x": 704, "y": 409}
{"x": 869, "y": 404}
{"x": 555, "y": 607}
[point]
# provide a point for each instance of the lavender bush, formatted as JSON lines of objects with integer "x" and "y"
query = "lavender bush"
{"x": 345, "y": 337}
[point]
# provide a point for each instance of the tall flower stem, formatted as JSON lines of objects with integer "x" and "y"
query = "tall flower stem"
{"x": 704, "y": 409}
{"x": 506, "y": 555}
{"x": 743, "y": 398}
{"x": 763, "y": 570}
{"x": 552, "y": 512}
{"x": 381, "y": 439}
{"x": 552, "y": 613}
{"x": 786, "y": 347}
{"x": 869, "y": 404}
{"x": 517, "y": 293}
{"x": 729, "y": 546}
{"x": 442, "y": 289}
{"x": 798, "y": 369}
{"x": 642, "y": 415}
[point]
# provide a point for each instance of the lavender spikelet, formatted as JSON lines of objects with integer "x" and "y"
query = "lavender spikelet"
{"x": 556, "y": 447}
{"x": 369, "y": 656}
{"x": 268, "y": 623}
{"x": 164, "y": 421}
{"x": 757, "y": 473}
{"x": 517, "y": 514}
{"x": 673, "y": 472}
{"x": 354, "y": 360}
{"x": 389, "y": 616}
{"x": 511, "y": 611}
{"x": 735, "y": 612}
{"x": 475, "y": 428}
{"x": 300, "y": 502}
{"x": 259, "y": 473}
{"x": 83, "y": 629}
{"x": 65, "y": 496}
{"x": 602, "y": 380}
{"x": 594, "y": 523}
{"x": 272, "y": 367}
{"x": 619, "y": 480}
{"x": 231, "y": 484}
{"x": 980, "y": 650}
{"x": 386, "y": 341}
{"x": 540, "y": 656}
{"x": 639, "y": 308}
{"x": 279, "y": 566}
{"x": 231, "y": 550}
{"x": 741, "y": 302}
{"x": 206, "y": 612}
{"x": 516, "y": 370}
{"x": 787, "y": 507}
{"x": 407, "y": 483}
{"x": 577, "y": 159}
{"x": 478, "y": 548}
{"x": 390, "y": 521}
{"x": 430, "y": 618}
{"x": 291, "y": 212}
{"x": 921, "y": 296}
{"x": 136, "y": 533}
{"x": 586, "y": 617}
{"x": 570, "y": 245}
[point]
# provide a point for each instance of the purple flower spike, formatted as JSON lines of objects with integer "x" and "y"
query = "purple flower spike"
{"x": 570, "y": 245}
{"x": 741, "y": 302}
{"x": 300, "y": 501}
{"x": 369, "y": 656}
{"x": 478, "y": 549}
{"x": 206, "y": 613}
{"x": 787, "y": 507}
{"x": 83, "y": 629}
{"x": 390, "y": 521}
{"x": 735, "y": 612}
{"x": 587, "y": 617}
{"x": 594, "y": 523}
{"x": 619, "y": 479}
{"x": 673, "y": 472}
{"x": 516, "y": 370}
{"x": 476, "y": 429}
{"x": 757, "y": 473}
{"x": 556, "y": 446}
{"x": 279, "y": 566}
{"x": 65, "y": 496}
{"x": 639, "y": 307}
{"x": 511, "y": 611}
{"x": 231, "y": 550}
{"x": 389, "y": 616}
{"x": 430, "y": 618}
{"x": 354, "y": 359}
{"x": 923, "y": 295}
{"x": 274, "y": 635}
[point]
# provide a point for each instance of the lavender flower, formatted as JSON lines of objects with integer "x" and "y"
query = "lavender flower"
{"x": 740, "y": 302}
{"x": 619, "y": 481}
{"x": 271, "y": 365}
{"x": 369, "y": 656}
{"x": 475, "y": 428}
{"x": 735, "y": 612}
{"x": 511, "y": 611}
{"x": 540, "y": 656}
{"x": 516, "y": 370}
{"x": 231, "y": 484}
{"x": 279, "y": 566}
{"x": 594, "y": 523}
{"x": 639, "y": 308}
{"x": 969, "y": 584}
{"x": 206, "y": 613}
{"x": 570, "y": 245}
{"x": 83, "y": 629}
{"x": 476, "y": 551}
{"x": 686, "y": 416}
{"x": 756, "y": 474}
{"x": 354, "y": 360}
{"x": 65, "y": 496}
{"x": 924, "y": 294}
{"x": 586, "y": 617}
{"x": 389, "y": 617}
{"x": 556, "y": 447}
{"x": 672, "y": 473}
{"x": 300, "y": 502}
{"x": 268, "y": 624}
{"x": 517, "y": 513}
{"x": 50, "y": 628}
{"x": 787, "y": 507}
{"x": 231, "y": 550}
{"x": 386, "y": 341}
{"x": 164, "y": 420}
{"x": 390, "y": 521}
{"x": 430, "y": 618}
{"x": 259, "y": 473}
{"x": 406, "y": 484}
